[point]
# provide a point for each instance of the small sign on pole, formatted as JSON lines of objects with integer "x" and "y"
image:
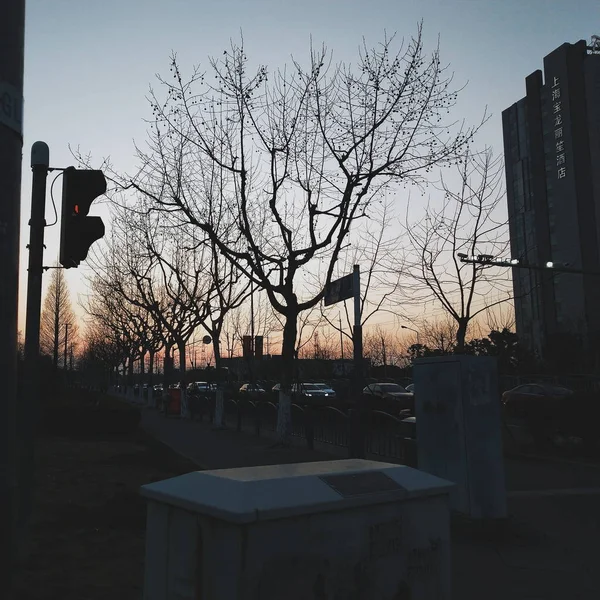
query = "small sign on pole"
{"x": 338, "y": 290}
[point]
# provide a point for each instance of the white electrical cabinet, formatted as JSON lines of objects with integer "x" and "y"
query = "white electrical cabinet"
{"x": 459, "y": 437}
{"x": 328, "y": 530}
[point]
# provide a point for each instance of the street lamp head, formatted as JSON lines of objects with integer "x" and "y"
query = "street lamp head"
{"x": 549, "y": 264}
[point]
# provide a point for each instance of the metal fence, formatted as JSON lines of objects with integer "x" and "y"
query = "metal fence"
{"x": 386, "y": 436}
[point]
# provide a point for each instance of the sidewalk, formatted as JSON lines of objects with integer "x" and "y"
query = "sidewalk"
{"x": 547, "y": 549}
{"x": 223, "y": 449}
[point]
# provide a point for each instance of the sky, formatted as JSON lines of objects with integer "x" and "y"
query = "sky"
{"x": 89, "y": 65}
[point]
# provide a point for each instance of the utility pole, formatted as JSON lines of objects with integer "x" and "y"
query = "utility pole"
{"x": 12, "y": 41}
{"x": 358, "y": 416}
{"x": 29, "y": 414}
{"x": 357, "y": 331}
{"x": 252, "y": 332}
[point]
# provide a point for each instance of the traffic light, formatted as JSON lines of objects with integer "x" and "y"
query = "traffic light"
{"x": 78, "y": 231}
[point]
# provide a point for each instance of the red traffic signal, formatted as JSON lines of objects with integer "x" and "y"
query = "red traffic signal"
{"x": 78, "y": 231}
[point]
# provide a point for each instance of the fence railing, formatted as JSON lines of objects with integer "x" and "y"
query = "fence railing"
{"x": 386, "y": 435}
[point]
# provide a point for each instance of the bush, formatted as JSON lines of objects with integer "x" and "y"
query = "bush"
{"x": 83, "y": 412}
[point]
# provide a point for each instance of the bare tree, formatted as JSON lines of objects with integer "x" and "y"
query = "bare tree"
{"x": 439, "y": 334}
{"x": 377, "y": 249}
{"x": 102, "y": 354}
{"x": 466, "y": 223}
{"x": 277, "y": 169}
{"x": 383, "y": 347}
{"x": 57, "y": 317}
{"x": 501, "y": 318}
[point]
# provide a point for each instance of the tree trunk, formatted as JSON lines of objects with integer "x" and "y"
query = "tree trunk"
{"x": 151, "y": 402}
{"x": 124, "y": 377}
{"x": 141, "y": 377}
{"x": 185, "y": 413}
{"x": 167, "y": 367}
{"x": 219, "y": 396}
{"x": 142, "y": 366}
{"x": 288, "y": 349}
{"x": 461, "y": 334}
{"x": 130, "y": 363}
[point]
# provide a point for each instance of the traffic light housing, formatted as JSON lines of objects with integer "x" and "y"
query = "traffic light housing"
{"x": 78, "y": 231}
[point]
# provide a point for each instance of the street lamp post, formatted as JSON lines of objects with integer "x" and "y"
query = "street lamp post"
{"x": 411, "y": 329}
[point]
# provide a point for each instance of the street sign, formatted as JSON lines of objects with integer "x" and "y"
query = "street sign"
{"x": 338, "y": 290}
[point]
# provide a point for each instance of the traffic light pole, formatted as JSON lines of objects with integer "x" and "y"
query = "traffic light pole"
{"x": 12, "y": 41}
{"x": 28, "y": 416}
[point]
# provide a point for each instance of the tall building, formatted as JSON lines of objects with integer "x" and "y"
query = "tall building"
{"x": 552, "y": 156}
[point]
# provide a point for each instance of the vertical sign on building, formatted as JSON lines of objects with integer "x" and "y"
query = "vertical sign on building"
{"x": 557, "y": 115}
{"x": 258, "y": 347}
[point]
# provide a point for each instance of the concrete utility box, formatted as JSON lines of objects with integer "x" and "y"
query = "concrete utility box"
{"x": 335, "y": 530}
{"x": 459, "y": 437}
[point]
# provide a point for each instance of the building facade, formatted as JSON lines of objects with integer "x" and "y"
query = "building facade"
{"x": 552, "y": 157}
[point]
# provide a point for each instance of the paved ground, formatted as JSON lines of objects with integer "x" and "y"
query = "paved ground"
{"x": 547, "y": 549}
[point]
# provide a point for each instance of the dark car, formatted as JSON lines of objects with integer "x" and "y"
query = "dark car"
{"x": 522, "y": 399}
{"x": 391, "y": 396}
{"x": 547, "y": 411}
{"x": 310, "y": 391}
{"x": 200, "y": 387}
{"x": 251, "y": 389}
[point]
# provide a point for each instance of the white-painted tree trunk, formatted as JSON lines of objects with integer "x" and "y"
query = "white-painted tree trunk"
{"x": 284, "y": 417}
{"x": 185, "y": 411}
{"x": 219, "y": 409}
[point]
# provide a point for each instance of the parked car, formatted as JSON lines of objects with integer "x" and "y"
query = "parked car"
{"x": 251, "y": 389}
{"x": 326, "y": 388}
{"x": 410, "y": 388}
{"x": 395, "y": 396}
{"x": 158, "y": 388}
{"x": 308, "y": 390}
{"x": 531, "y": 392}
{"x": 200, "y": 387}
{"x": 553, "y": 414}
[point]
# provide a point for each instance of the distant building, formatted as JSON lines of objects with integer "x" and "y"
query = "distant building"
{"x": 552, "y": 155}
